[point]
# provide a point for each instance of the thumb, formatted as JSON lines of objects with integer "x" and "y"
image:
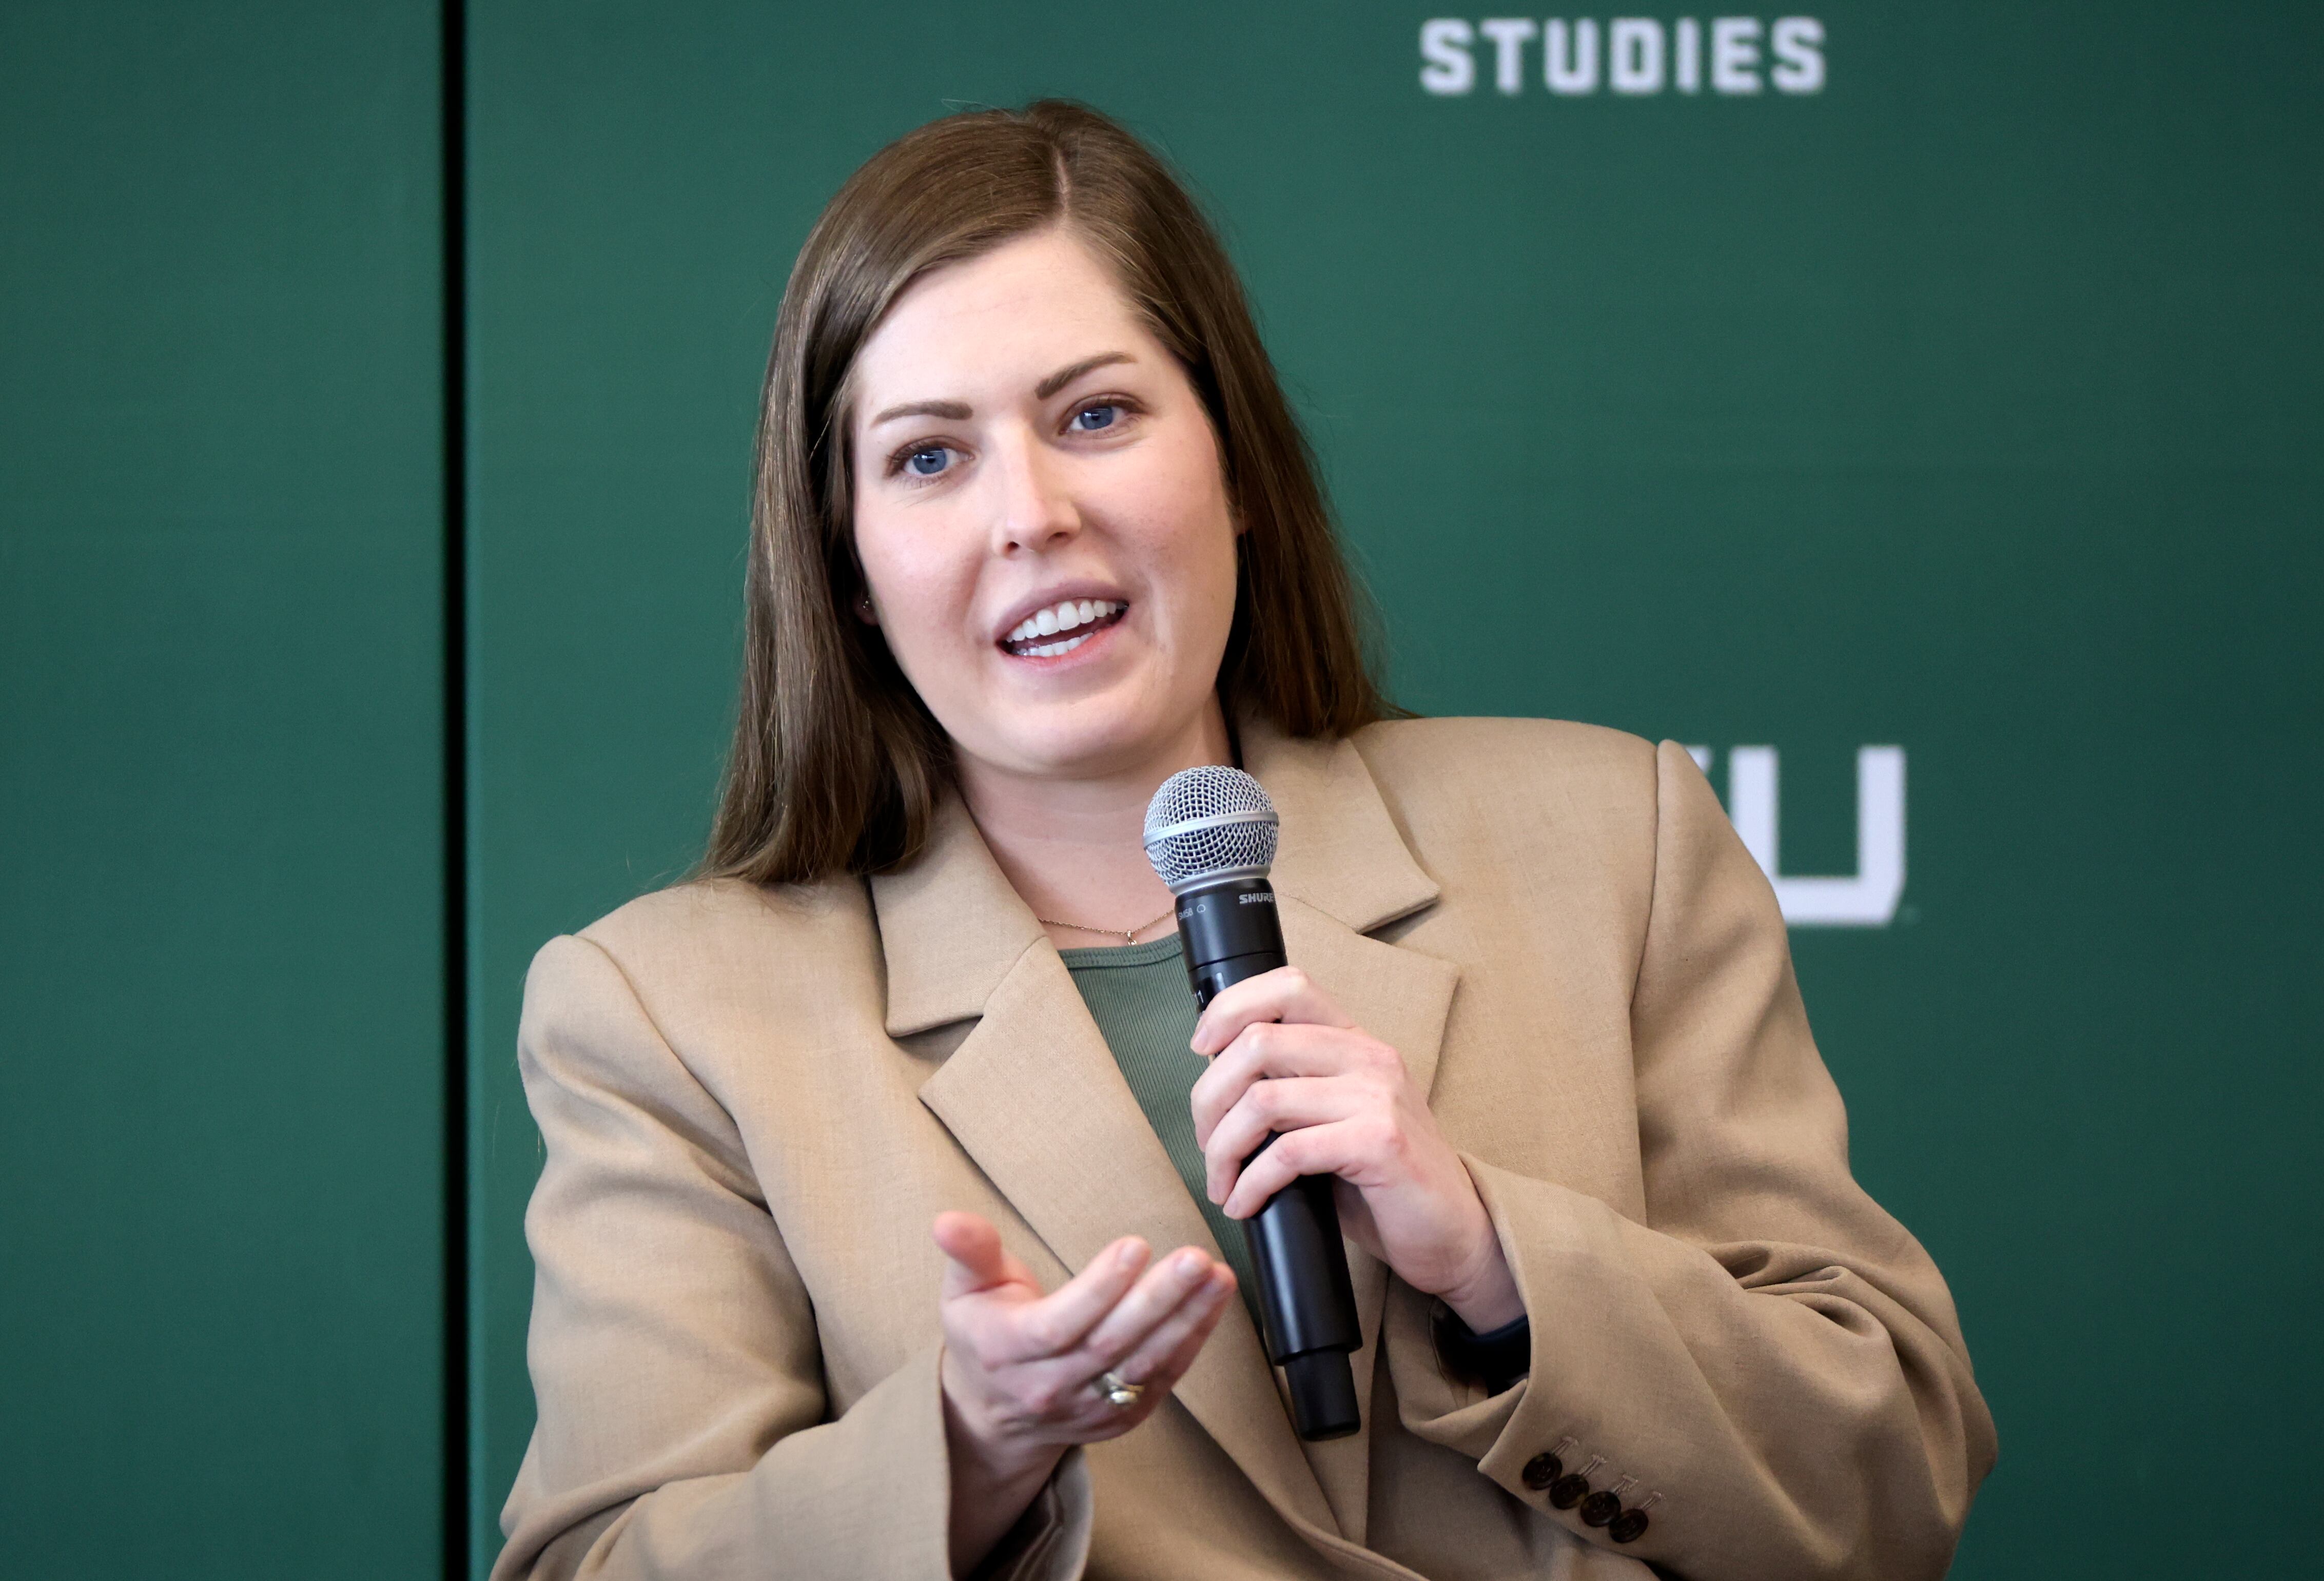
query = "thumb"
{"x": 972, "y": 1247}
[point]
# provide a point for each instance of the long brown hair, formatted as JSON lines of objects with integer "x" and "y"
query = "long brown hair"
{"x": 837, "y": 765}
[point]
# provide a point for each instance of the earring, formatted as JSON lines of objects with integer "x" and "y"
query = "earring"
{"x": 863, "y": 604}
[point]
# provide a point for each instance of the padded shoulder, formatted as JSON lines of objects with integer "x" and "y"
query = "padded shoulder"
{"x": 1471, "y": 776}
{"x": 1516, "y": 746}
{"x": 805, "y": 953}
{"x": 694, "y": 912}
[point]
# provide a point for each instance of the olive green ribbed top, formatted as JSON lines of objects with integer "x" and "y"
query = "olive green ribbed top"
{"x": 1139, "y": 996}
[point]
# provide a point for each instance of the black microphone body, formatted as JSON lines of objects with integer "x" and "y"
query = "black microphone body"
{"x": 1230, "y": 930}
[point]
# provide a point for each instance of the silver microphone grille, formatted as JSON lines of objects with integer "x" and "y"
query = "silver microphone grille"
{"x": 1209, "y": 822}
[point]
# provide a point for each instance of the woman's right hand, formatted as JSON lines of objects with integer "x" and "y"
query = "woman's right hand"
{"x": 1019, "y": 1367}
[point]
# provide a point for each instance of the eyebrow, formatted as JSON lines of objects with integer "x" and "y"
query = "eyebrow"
{"x": 960, "y": 411}
{"x": 950, "y": 411}
{"x": 1065, "y": 376}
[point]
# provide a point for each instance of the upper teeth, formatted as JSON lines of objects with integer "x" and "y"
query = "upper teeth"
{"x": 1065, "y": 618}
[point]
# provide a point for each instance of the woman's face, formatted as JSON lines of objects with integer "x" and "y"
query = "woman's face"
{"x": 1041, "y": 514}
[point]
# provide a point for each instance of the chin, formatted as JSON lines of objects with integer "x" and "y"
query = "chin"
{"x": 1089, "y": 739}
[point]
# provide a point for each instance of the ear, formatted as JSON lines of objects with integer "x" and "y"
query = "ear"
{"x": 864, "y": 608}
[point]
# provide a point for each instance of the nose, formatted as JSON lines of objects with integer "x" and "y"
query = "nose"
{"x": 1032, "y": 508}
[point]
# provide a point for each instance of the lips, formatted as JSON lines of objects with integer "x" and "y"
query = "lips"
{"x": 1057, "y": 629}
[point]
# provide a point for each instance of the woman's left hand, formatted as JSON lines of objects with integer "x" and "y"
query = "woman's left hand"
{"x": 1285, "y": 1059}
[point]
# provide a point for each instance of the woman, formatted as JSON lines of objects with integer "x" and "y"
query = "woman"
{"x": 861, "y": 1148}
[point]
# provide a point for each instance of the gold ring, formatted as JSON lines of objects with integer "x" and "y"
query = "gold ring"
{"x": 1116, "y": 1393}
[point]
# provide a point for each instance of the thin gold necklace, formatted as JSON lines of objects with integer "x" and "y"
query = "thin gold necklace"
{"x": 1128, "y": 937}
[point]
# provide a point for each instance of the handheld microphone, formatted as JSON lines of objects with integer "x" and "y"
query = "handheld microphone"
{"x": 1209, "y": 833}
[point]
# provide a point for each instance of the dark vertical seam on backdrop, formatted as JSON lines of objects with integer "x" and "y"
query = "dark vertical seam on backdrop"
{"x": 452, "y": 89}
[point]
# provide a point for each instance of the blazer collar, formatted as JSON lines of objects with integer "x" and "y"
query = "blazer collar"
{"x": 1341, "y": 850}
{"x": 951, "y": 926}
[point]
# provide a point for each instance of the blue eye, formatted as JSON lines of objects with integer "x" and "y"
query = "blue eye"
{"x": 927, "y": 463}
{"x": 1091, "y": 419}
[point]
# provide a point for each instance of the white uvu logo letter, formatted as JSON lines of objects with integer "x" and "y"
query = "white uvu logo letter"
{"x": 1870, "y": 899}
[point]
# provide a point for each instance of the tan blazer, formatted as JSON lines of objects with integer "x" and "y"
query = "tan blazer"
{"x": 754, "y": 1101}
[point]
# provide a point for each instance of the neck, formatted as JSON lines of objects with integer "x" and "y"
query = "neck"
{"x": 1073, "y": 849}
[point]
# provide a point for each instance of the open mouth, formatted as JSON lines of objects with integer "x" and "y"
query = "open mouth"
{"x": 1050, "y": 633}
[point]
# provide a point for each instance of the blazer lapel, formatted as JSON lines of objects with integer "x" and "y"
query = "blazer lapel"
{"x": 1343, "y": 870}
{"x": 1035, "y": 1097}
{"x": 1402, "y": 998}
{"x": 1033, "y": 1094}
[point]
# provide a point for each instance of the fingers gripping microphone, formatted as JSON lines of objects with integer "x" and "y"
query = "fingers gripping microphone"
{"x": 1209, "y": 833}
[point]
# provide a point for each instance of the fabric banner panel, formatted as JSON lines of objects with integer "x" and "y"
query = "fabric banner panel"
{"x": 1913, "y": 411}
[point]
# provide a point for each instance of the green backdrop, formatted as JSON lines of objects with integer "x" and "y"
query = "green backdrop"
{"x": 1969, "y": 405}
{"x": 221, "y": 909}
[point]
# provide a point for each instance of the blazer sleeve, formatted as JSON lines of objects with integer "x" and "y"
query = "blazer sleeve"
{"x": 683, "y": 1426}
{"x": 1769, "y": 1368}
